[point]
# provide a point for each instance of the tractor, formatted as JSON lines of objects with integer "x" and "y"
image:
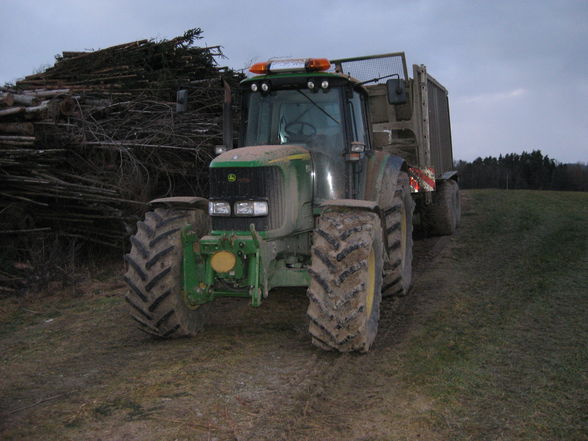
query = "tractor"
{"x": 320, "y": 193}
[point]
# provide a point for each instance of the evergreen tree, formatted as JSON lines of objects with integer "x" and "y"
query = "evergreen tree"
{"x": 522, "y": 171}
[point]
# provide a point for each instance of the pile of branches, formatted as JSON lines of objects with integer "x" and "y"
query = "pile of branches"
{"x": 85, "y": 144}
{"x": 132, "y": 68}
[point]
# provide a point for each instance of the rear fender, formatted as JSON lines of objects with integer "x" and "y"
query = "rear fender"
{"x": 381, "y": 167}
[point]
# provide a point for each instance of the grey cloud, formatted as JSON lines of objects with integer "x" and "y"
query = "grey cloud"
{"x": 484, "y": 52}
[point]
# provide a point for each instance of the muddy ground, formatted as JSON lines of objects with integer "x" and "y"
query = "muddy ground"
{"x": 74, "y": 367}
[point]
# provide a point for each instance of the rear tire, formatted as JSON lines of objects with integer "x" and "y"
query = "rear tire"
{"x": 398, "y": 218}
{"x": 346, "y": 281}
{"x": 443, "y": 216}
{"x": 154, "y": 274}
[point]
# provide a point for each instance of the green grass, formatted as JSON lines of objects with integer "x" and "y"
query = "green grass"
{"x": 504, "y": 350}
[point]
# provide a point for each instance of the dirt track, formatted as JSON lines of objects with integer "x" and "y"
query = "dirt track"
{"x": 84, "y": 372}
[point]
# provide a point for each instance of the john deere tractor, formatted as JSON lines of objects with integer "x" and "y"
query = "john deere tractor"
{"x": 308, "y": 199}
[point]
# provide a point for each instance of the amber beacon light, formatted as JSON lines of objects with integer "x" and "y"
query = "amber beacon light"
{"x": 291, "y": 65}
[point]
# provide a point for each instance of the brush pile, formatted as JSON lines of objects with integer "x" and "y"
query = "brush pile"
{"x": 85, "y": 144}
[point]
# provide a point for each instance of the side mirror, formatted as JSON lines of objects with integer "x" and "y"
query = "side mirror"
{"x": 181, "y": 100}
{"x": 396, "y": 91}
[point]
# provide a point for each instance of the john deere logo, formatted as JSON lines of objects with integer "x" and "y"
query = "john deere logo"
{"x": 232, "y": 177}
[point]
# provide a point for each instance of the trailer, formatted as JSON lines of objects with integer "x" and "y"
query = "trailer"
{"x": 414, "y": 125}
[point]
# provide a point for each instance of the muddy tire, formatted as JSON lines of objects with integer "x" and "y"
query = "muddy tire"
{"x": 443, "y": 216}
{"x": 154, "y": 274}
{"x": 398, "y": 218}
{"x": 346, "y": 281}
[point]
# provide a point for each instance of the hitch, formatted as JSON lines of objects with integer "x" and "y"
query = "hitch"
{"x": 221, "y": 266}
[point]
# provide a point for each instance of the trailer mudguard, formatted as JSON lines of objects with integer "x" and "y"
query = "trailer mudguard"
{"x": 451, "y": 174}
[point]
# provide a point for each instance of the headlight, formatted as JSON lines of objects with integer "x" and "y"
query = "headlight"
{"x": 357, "y": 146}
{"x": 219, "y": 208}
{"x": 251, "y": 208}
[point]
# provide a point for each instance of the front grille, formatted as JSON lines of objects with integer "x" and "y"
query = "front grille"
{"x": 233, "y": 184}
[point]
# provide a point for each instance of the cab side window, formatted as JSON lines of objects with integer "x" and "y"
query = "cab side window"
{"x": 358, "y": 123}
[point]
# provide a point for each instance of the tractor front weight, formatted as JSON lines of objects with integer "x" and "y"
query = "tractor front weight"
{"x": 226, "y": 265}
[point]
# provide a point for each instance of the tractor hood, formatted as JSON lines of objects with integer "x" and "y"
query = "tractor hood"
{"x": 277, "y": 174}
{"x": 260, "y": 155}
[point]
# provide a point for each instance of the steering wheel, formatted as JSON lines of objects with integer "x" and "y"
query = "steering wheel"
{"x": 300, "y": 132}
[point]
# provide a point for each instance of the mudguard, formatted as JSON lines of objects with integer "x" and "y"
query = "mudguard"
{"x": 452, "y": 174}
{"x": 350, "y": 203}
{"x": 181, "y": 203}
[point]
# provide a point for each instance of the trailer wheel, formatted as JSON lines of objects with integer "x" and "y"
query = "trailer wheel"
{"x": 457, "y": 204}
{"x": 398, "y": 218}
{"x": 346, "y": 281}
{"x": 154, "y": 274}
{"x": 443, "y": 215}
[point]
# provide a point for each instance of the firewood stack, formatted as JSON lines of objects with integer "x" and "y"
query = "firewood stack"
{"x": 84, "y": 144}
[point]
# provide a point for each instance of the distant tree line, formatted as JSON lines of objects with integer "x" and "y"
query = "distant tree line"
{"x": 523, "y": 171}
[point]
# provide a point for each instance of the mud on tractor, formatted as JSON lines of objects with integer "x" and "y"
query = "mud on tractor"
{"x": 333, "y": 157}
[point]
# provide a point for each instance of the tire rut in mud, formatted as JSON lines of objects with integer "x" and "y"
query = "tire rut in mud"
{"x": 332, "y": 375}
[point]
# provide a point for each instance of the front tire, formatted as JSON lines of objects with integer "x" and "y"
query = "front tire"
{"x": 346, "y": 281}
{"x": 154, "y": 274}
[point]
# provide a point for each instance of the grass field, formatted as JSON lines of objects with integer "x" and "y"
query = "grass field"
{"x": 504, "y": 354}
{"x": 491, "y": 344}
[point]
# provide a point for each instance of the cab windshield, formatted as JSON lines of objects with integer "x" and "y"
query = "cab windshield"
{"x": 302, "y": 117}
{"x": 295, "y": 117}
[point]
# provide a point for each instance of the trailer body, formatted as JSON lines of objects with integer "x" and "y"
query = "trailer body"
{"x": 418, "y": 130}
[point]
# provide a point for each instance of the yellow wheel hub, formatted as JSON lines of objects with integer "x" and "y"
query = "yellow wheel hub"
{"x": 371, "y": 287}
{"x": 223, "y": 261}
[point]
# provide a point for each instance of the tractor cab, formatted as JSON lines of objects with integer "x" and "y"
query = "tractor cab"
{"x": 296, "y": 102}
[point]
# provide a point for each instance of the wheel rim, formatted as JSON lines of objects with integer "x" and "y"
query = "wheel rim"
{"x": 371, "y": 283}
{"x": 403, "y": 238}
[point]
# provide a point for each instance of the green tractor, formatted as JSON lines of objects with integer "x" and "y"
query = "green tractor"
{"x": 310, "y": 199}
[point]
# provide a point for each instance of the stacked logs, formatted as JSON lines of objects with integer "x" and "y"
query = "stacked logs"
{"x": 85, "y": 144}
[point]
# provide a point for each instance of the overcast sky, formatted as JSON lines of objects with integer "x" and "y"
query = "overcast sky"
{"x": 516, "y": 71}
